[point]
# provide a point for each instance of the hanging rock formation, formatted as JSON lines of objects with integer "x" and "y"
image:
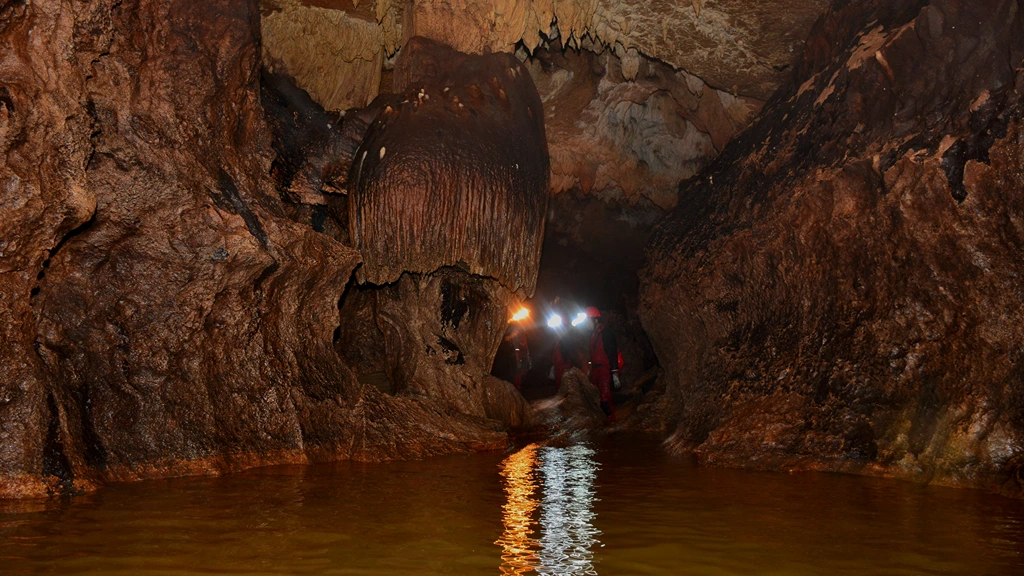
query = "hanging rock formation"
{"x": 453, "y": 172}
{"x": 840, "y": 290}
{"x": 333, "y": 49}
{"x": 448, "y": 194}
{"x": 737, "y": 45}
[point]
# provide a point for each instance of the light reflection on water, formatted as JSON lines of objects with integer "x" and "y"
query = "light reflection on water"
{"x": 518, "y": 547}
{"x": 567, "y": 533}
{"x": 621, "y": 506}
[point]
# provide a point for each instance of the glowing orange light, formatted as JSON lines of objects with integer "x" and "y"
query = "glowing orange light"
{"x": 518, "y": 547}
{"x": 522, "y": 314}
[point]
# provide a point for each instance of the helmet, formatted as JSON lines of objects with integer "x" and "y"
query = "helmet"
{"x": 593, "y": 312}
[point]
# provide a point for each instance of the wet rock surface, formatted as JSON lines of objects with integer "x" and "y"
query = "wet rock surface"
{"x": 180, "y": 266}
{"x": 574, "y": 411}
{"x": 448, "y": 193}
{"x": 440, "y": 334}
{"x": 840, "y": 289}
{"x": 44, "y": 197}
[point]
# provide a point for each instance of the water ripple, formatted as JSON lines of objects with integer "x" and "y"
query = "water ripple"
{"x": 567, "y": 532}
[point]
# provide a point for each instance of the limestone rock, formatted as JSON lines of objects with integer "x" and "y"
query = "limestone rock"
{"x": 675, "y": 82}
{"x": 505, "y": 404}
{"x": 839, "y": 290}
{"x": 575, "y": 410}
{"x": 735, "y": 45}
{"x": 333, "y": 50}
{"x": 632, "y": 140}
{"x": 43, "y": 197}
{"x": 454, "y": 172}
{"x": 441, "y": 332}
{"x": 166, "y": 315}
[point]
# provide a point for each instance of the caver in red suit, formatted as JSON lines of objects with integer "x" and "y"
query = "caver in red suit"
{"x": 604, "y": 361}
{"x": 567, "y": 354}
{"x": 523, "y": 361}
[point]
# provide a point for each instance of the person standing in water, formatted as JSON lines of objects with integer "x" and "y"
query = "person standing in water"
{"x": 604, "y": 361}
{"x": 567, "y": 354}
{"x": 521, "y": 350}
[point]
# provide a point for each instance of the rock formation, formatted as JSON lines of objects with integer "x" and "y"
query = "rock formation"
{"x": 574, "y": 411}
{"x": 448, "y": 193}
{"x": 208, "y": 263}
{"x": 334, "y": 49}
{"x": 453, "y": 172}
{"x": 630, "y": 139}
{"x": 840, "y": 289}
{"x": 167, "y": 313}
{"x": 638, "y": 95}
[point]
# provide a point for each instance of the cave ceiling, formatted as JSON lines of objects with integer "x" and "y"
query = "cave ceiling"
{"x": 638, "y": 95}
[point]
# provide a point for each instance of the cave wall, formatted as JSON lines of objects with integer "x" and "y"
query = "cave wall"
{"x": 840, "y": 290}
{"x": 166, "y": 316}
{"x": 45, "y": 196}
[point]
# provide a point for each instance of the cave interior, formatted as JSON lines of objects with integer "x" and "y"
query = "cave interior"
{"x": 244, "y": 233}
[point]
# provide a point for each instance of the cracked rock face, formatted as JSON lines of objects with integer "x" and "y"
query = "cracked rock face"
{"x": 839, "y": 291}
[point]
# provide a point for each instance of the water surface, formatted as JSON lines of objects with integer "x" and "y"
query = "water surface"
{"x": 615, "y": 508}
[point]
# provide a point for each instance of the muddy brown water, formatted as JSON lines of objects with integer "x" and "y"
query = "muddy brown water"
{"x": 617, "y": 507}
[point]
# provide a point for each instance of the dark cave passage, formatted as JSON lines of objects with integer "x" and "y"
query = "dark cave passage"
{"x": 259, "y": 232}
{"x": 592, "y": 256}
{"x": 283, "y": 275}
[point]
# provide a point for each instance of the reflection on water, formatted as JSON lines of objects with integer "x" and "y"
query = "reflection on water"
{"x": 518, "y": 553}
{"x": 545, "y": 508}
{"x": 567, "y": 533}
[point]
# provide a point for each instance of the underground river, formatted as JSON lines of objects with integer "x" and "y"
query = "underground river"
{"x": 613, "y": 507}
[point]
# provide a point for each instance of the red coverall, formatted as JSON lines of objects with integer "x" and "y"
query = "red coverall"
{"x": 523, "y": 363}
{"x": 604, "y": 361}
{"x": 561, "y": 363}
{"x": 566, "y": 355}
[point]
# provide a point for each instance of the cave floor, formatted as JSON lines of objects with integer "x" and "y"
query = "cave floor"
{"x": 620, "y": 506}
